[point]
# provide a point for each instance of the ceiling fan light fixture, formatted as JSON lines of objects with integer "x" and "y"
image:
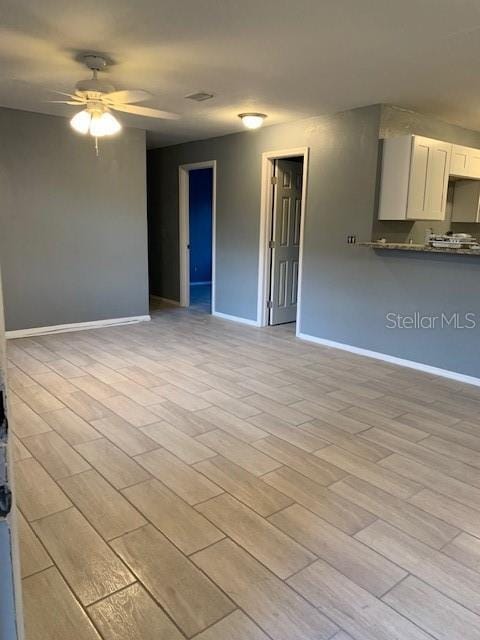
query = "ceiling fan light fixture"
{"x": 81, "y": 121}
{"x": 252, "y": 120}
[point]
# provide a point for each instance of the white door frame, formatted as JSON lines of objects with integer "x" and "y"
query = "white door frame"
{"x": 266, "y": 203}
{"x": 184, "y": 227}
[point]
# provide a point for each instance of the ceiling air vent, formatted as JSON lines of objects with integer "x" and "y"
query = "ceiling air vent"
{"x": 200, "y": 96}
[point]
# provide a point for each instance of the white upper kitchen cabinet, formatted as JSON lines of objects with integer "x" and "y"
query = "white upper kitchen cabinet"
{"x": 465, "y": 162}
{"x": 414, "y": 178}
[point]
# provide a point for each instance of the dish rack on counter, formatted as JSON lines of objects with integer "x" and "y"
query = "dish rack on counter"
{"x": 452, "y": 241}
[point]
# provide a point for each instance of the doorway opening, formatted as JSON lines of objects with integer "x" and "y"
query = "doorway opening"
{"x": 197, "y": 236}
{"x": 283, "y": 210}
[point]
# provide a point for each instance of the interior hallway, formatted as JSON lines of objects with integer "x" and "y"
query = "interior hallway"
{"x": 191, "y": 477}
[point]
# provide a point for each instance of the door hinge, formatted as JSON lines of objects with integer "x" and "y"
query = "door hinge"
{"x": 271, "y": 244}
{"x": 269, "y": 304}
{"x": 274, "y": 180}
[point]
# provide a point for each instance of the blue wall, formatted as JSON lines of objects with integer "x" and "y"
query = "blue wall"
{"x": 200, "y": 199}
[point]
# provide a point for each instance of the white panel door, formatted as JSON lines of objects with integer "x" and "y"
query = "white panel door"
{"x": 429, "y": 171}
{"x": 286, "y": 241}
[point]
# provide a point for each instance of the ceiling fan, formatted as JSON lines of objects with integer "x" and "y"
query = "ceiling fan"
{"x": 99, "y": 98}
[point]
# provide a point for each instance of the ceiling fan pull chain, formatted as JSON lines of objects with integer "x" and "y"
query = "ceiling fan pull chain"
{"x": 96, "y": 146}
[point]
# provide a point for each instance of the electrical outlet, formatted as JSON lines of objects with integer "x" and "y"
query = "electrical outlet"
{"x": 351, "y": 239}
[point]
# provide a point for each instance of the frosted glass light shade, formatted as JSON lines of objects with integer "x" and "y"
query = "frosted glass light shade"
{"x": 104, "y": 124}
{"x": 252, "y": 120}
{"x": 81, "y": 121}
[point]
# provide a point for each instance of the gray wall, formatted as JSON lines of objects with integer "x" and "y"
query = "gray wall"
{"x": 73, "y": 241}
{"x": 346, "y": 290}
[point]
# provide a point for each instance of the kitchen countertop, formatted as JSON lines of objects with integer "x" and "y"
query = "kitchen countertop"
{"x": 399, "y": 246}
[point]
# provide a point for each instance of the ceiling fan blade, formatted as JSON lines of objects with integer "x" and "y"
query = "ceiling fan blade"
{"x": 127, "y": 96}
{"x": 69, "y": 95}
{"x": 145, "y": 111}
{"x": 74, "y": 102}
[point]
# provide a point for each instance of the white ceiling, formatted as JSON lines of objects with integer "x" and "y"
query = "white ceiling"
{"x": 287, "y": 58}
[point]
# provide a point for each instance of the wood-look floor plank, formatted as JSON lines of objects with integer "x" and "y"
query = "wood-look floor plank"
{"x": 184, "y": 447}
{"x": 184, "y": 480}
{"x": 407, "y": 517}
{"x": 93, "y": 387}
{"x": 127, "y": 438}
{"x": 332, "y": 417}
{"x": 25, "y": 422}
{"x": 136, "y": 392}
{"x": 347, "y": 516}
{"x": 397, "y": 427}
{"x": 351, "y": 607}
{"x": 54, "y": 383}
{"x": 131, "y": 614}
{"x": 448, "y": 510}
{"x": 130, "y": 411}
{"x": 291, "y": 416}
{"x": 39, "y": 399}
{"x": 189, "y": 422}
{"x": 70, "y": 426}
{"x": 252, "y": 491}
{"x": 433, "y": 567}
{"x": 445, "y": 620}
{"x": 65, "y": 369}
{"x": 51, "y": 611}
{"x": 91, "y": 568}
{"x": 453, "y": 450}
{"x": 418, "y": 453}
{"x": 239, "y": 408}
{"x": 85, "y": 406}
{"x": 19, "y": 451}
{"x": 240, "y": 429}
{"x": 33, "y": 557}
{"x": 56, "y": 455}
{"x": 241, "y": 453}
{"x": 260, "y": 538}
{"x": 104, "y": 507}
{"x": 355, "y": 560}
{"x": 433, "y": 479}
{"x": 305, "y": 463}
{"x": 192, "y": 600}
{"x": 119, "y": 469}
{"x": 37, "y": 494}
{"x": 294, "y": 435}
{"x": 465, "y": 549}
{"x": 236, "y": 626}
{"x": 177, "y": 520}
{"x": 385, "y": 479}
{"x": 334, "y": 435}
{"x": 276, "y": 608}
{"x": 181, "y": 397}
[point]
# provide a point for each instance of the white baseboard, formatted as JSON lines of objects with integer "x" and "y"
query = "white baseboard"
{"x": 226, "y": 316}
{"x": 411, "y": 364}
{"x": 75, "y": 326}
{"x": 197, "y": 284}
{"x": 175, "y": 303}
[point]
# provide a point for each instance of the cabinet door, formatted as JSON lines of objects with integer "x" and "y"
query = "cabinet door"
{"x": 465, "y": 162}
{"x": 428, "y": 184}
{"x": 459, "y": 162}
{"x": 473, "y": 163}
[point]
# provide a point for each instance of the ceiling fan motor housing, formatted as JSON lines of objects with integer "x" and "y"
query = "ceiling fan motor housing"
{"x": 93, "y": 85}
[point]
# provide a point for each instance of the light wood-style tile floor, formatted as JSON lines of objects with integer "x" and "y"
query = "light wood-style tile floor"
{"x": 194, "y": 478}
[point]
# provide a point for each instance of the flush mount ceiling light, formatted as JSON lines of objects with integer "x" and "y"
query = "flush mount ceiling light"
{"x": 252, "y": 120}
{"x": 99, "y": 97}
